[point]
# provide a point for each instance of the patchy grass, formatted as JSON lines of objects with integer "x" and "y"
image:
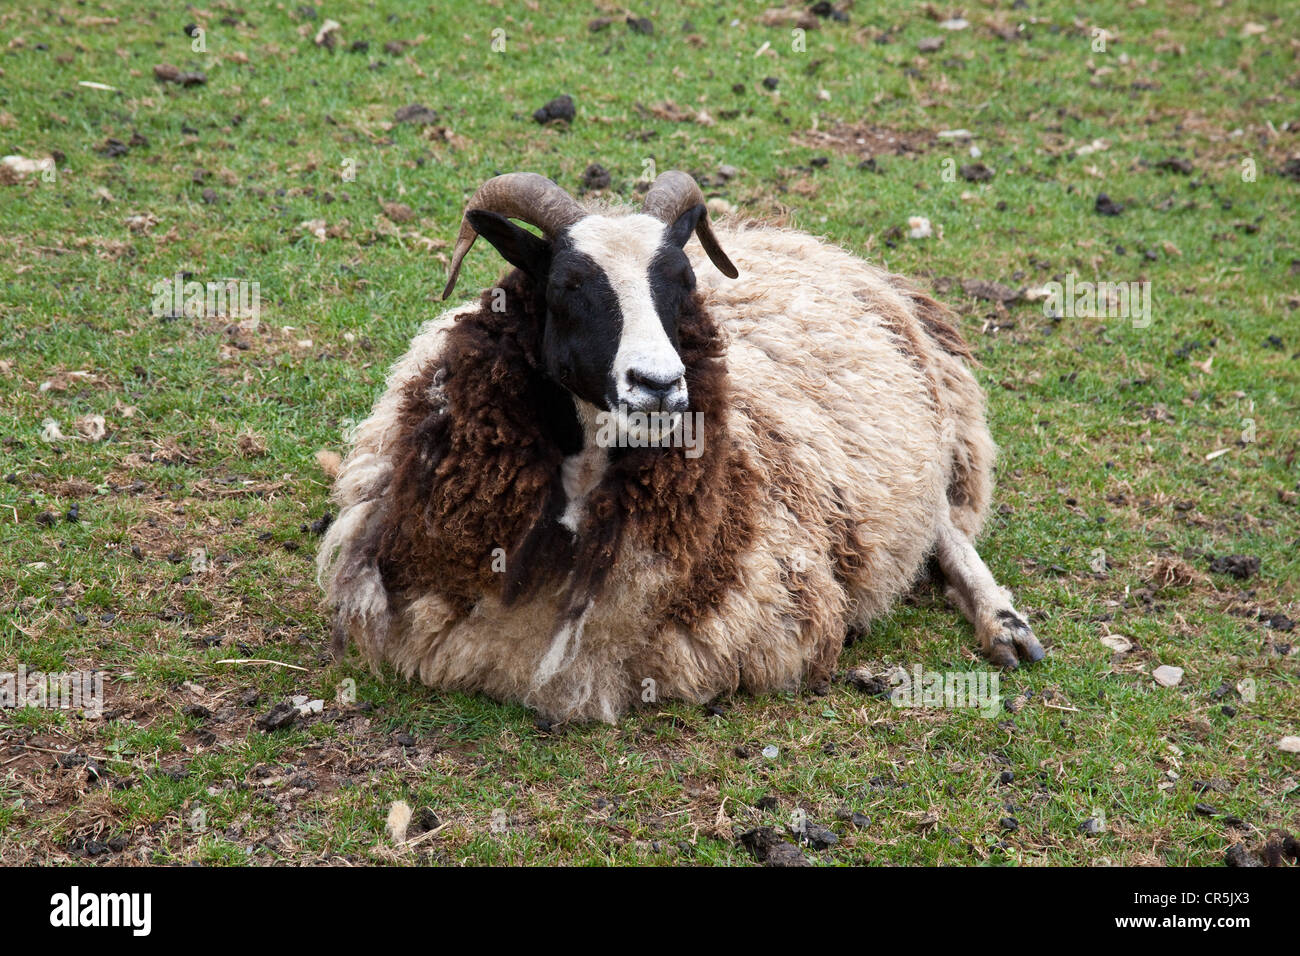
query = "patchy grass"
{"x": 183, "y": 538}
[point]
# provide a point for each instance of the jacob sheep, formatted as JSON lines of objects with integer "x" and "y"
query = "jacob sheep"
{"x": 520, "y": 516}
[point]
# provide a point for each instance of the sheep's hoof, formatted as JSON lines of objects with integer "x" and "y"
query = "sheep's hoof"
{"x": 1013, "y": 642}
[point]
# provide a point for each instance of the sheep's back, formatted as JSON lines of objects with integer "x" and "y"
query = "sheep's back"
{"x": 833, "y": 377}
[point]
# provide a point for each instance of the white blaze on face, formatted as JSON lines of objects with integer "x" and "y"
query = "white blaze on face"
{"x": 624, "y": 247}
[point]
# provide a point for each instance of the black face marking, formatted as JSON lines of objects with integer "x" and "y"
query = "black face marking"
{"x": 555, "y": 413}
{"x": 583, "y": 325}
{"x": 672, "y": 280}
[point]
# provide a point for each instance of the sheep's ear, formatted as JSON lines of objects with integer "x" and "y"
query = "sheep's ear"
{"x": 517, "y": 246}
{"x": 680, "y": 231}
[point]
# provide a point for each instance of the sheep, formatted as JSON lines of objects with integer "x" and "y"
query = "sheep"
{"x": 519, "y": 516}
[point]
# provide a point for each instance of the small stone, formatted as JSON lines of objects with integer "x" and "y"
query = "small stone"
{"x": 1290, "y": 745}
{"x": 1167, "y": 675}
{"x": 771, "y": 752}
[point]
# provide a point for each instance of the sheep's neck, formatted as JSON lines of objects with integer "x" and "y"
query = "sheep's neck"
{"x": 582, "y": 472}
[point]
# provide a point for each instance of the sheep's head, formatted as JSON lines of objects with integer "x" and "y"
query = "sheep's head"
{"x": 614, "y": 286}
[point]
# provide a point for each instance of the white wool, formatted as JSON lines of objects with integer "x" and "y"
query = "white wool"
{"x": 564, "y": 646}
{"x": 399, "y": 820}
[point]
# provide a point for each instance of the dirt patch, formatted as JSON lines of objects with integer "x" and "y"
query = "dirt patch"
{"x": 868, "y": 141}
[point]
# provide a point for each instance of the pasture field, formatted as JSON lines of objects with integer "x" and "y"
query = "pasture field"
{"x": 162, "y": 490}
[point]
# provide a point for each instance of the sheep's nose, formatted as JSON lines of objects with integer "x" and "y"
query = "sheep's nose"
{"x": 656, "y": 385}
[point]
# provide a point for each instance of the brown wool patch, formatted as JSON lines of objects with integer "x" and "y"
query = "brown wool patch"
{"x": 937, "y": 320}
{"x": 694, "y": 512}
{"x": 475, "y": 469}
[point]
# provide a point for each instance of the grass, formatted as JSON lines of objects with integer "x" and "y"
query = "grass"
{"x": 191, "y": 541}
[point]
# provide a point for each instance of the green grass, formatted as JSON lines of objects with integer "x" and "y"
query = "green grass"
{"x": 1104, "y": 427}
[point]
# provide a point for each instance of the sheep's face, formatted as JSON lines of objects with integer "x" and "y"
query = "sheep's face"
{"x": 614, "y": 288}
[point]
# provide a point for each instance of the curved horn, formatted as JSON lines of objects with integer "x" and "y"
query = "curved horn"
{"x": 672, "y": 194}
{"x": 526, "y": 196}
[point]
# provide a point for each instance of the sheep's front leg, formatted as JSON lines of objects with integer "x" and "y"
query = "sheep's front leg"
{"x": 1004, "y": 634}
